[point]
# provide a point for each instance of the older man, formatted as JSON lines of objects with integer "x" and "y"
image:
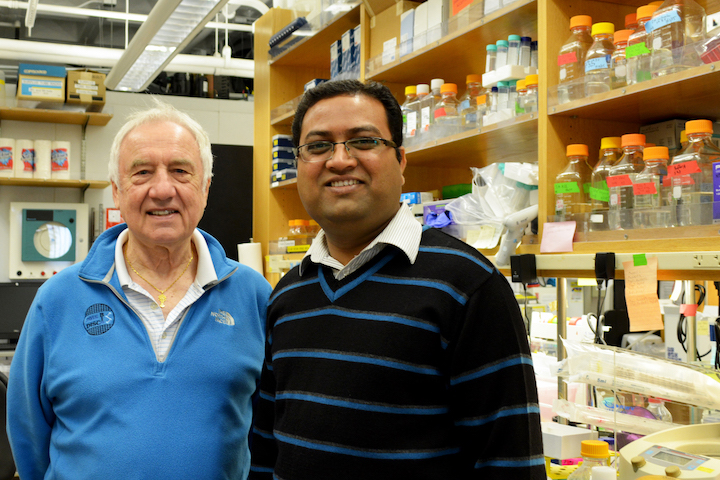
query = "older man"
{"x": 143, "y": 360}
{"x": 393, "y": 351}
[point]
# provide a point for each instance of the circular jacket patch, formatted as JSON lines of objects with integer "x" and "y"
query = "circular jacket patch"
{"x": 99, "y": 318}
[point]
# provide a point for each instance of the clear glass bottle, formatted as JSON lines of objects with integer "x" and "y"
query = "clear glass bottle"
{"x": 691, "y": 176}
{"x": 525, "y": 51}
{"x": 534, "y": 54}
{"x": 512, "y": 94}
{"x": 423, "y": 91}
{"x": 618, "y": 62}
{"x": 427, "y": 108}
{"x": 513, "y": 57}
{"x": 572, "y": 185}
{"x": 446, "y": 113}
{"x": 520, "y": 97}
{"x": 638, "y": 48}
{"x": 631, "y": 21}
{"x": 502, "y": 54}
{"x": 652, "y": 191}
{"x": 620, "y": 181}
{"x": 502, "y": 95}
{"x": 657, "y": 407}
{"x": 531, "y": 93}
{"x": 313, "y": 228}
{"x": 674, "y": 25}
{"x": 610, "y": 153}
{"x": 571, "y": 59}
{"x": 597, "y": 61}
{"x": 490, "y": 58}
{"x": 409, "y": 115}
{"x": 595, "y": 453}
{"x": 468, "y": 102}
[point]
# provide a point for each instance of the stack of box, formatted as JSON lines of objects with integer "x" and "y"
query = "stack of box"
{"x": 345, "y": 56}
{"x": 46, "y": 86}
{"x": 284, "y": 166}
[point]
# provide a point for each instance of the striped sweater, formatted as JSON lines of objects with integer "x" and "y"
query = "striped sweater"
{"x": 399, "y": 371}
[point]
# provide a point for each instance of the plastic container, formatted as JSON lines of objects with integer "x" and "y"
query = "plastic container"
{"x": 502, "y": 54}
{"x": 513, "y": 55}
{"x": 423, "y": 91}
{"x": 490, "y": 58}
{"x": 603, "y": 473}
{"x": 631, "y": 21}
{"x": 427, "y": 108}
{"x": 531, "y": 93}
{"x": 657, "y": 407}
{"x": 571, "y": 59}
{"x": 447, "y": 115}
{"x": 638, "y": 48}
{"x": 493, "y": 107}
{"x": 572, "y": 185}
{"x": 503, "y": 95}
{"x": 534, "y": 54}
{"x": 652, "y": 191}
{"x": 610, "y": 153}
{"x": 691, "y": 176}
{"x": 512, "y": 95}
{"x": 525, "y": 51}
{"x": 620, "y": 181}
{"x": 410, "y": 115}
{"x": 520, "y": 97}
{"x": 675, "y": 25}
{"x": 595, "y": 453}
{"x": 469, "y": 116}
{"x": 597, "y": 61}
{"x": 618, "y": 61}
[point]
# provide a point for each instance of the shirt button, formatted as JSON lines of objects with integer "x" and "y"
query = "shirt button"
{"x": 164, "y": 335}
{"x": 153, "y": 306}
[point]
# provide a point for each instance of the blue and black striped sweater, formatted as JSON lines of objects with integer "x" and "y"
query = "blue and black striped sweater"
{"x": 398, "y": 371}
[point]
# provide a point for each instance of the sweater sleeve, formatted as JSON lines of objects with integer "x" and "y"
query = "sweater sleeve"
{"x": 264, "y": 449}
{"x": 493, "y": 394}
{"x": 30, "y": 415}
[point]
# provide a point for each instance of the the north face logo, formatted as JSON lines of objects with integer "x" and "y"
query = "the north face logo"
{"x": 223, "y": 317}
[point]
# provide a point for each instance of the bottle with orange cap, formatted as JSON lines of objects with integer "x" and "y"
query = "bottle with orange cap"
{"x": 674, "y": 25}
{"x": 597, "y": 61}
{"x": 618, "y": 61}
{"x": 691, "y": 176}
{"x": 651, "y": 189}
{"x": 595, "y": 453}
{"x": 610, "y": 153}
{"x": 637, "y": 51}
{"x": 469, "y": 115}
{"x": 572, "y": 185}
{"x": 446, "y": 115}
{"x": 620, "y": 181}
{"x": 571, "y": 59}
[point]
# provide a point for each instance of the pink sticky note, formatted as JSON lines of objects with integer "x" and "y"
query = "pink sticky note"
{"x": 557, "y": 237}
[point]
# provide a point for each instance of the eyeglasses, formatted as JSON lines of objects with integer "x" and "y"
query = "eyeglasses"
{"x": 362, "y": 147}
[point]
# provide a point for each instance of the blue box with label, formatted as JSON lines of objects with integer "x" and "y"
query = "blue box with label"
{"x": 314, "y": 83}
{"x": 282, "y": 141}
{"x": 335, "y": 59}
{"x": 283, "y": 153}
{"x": 43, "y": 83}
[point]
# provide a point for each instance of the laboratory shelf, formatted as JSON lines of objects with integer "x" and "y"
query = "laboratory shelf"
{"x": 54, "y": 116}
{"x": 37, "y": 182}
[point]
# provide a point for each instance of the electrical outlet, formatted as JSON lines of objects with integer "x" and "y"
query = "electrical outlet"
{"x": 706, "y": 261}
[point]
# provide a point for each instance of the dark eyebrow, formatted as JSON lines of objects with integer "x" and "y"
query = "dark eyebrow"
{"x": 352, "y": 131}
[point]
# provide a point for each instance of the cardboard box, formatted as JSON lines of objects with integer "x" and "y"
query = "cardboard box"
{"x": 437, "y": 19}
{"x": 335, "y": 59}
{"x": 386, "y": 25}
{"x": 41, "y": 83}
{"x": 665, "y": 134}
{"x": 407, "y": 27}
{"x": 87, "y": 88}
{"x": 420, "y": 26}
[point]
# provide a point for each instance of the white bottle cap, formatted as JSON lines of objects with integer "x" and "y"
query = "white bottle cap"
{"x": 423, "y": 88}
{"x": 603, "y": 473}
{"x": 436, "y": 83}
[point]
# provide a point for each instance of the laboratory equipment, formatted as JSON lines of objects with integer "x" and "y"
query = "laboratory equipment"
{"x": 595, "y": 453}
{"x": 469, "y": 116}
{"x": 515, "y": 225}
{"x": 597, "y": 61}
{"x": 571, "y": 59}
{"x": 572, "y": 185}
{"x": 446, "y": 114}
{"x": 651, "y": 191}
{"x": 618, "y": 61}
{"x": 638, "y": 49}
{"x": 620, "y": 181}
{"x": 409, "y": 115}
{"x": 610, "y": 153}
{"x": 677, "y": 24}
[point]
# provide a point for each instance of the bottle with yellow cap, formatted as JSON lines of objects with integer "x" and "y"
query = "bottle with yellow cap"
{"x": 651, "y": 188}
{"x": 595, "y": 453}
{"x": 675, "y": 25}
{"x": 597, "y": 62}
{"x": 409, "y": 115}
{"x": 638, "y": 48}
{"x": 469, "y": 116}
{"x": 618, "y": 61}
{"x": 446, "y": 115}
{"x": 571, "y": 59}
{"x": 620, "y": 181}
{"x": 691, "y": 176}
{"x": 610, "y": 153}
{"x": 572, "y": 185}
{"x": 531, "y": 93}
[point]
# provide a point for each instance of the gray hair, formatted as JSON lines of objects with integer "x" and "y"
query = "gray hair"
{"x": 160, "y": 112}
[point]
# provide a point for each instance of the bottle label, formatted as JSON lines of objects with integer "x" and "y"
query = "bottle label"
{"x": 470, "y": 118}
{"x": 465, "y": 104}
{"x": 619, "y": 181}
{"x": 600, "y": 194}
{"x": 425, "y": 119}
{"x": 440, "y": 112}
{"x": 597, "y": 63}
{"x": 683, "y": 168}
{"x": 566, "y": 187}
{"x": 411, "y": 124}
{"x": 565, "y": 58}
{"x": 647, "y": 188}
{"x": 672, "y": 16}
{"x": 6, "y": 158}
{"x": 636, "y": 50}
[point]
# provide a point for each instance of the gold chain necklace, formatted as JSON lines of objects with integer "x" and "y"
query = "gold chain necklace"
{"x": 162, "y": 296}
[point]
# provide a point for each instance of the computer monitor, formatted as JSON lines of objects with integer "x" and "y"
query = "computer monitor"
{"x": 15, "y": 301}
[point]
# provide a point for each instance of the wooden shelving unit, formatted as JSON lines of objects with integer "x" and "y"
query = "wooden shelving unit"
{"x": 54, "y": 116}
{"x": 37, "y": 182}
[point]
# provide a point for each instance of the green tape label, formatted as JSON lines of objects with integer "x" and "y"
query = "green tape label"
{"x": 566, "y": 187}
{"x": 639, "y": 260}
{"x": 636, "y": 50}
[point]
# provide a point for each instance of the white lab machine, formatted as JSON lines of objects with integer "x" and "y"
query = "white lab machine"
{"x": 687, "y": 452}
{"x": 46, "y": 237}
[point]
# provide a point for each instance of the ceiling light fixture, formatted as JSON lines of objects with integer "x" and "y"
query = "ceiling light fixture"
{"x": 170, "y": 26}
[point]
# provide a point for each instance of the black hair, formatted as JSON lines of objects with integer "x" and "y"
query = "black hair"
{"x": 336, "y": 88}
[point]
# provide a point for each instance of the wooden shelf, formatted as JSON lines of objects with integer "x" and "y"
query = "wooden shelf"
{"x": 37, "y": 182}
{"x": 54, "y": 116}
{"x": 285, "y": 184}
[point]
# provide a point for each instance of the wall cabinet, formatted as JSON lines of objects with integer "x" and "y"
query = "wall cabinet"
{"x": 540, "y": 137}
